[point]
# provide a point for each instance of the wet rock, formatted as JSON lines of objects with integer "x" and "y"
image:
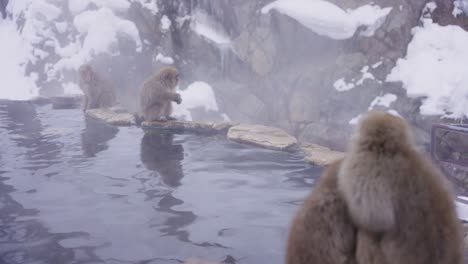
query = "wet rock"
{"x": 319, "y": 155}
{"x": 66, "y": 102}
{"x": 188, "y": 126}
{"x": 113, "y": 116}
{"x": 263, "y": 136}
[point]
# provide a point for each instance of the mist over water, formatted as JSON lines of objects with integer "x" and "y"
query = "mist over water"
{"x": 74, "y": 190}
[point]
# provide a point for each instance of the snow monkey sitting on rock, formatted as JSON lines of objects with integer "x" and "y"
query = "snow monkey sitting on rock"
{"x": 157, "y": 94}
{"x": 401, "y": 204}
{"x": 98, "y": 91}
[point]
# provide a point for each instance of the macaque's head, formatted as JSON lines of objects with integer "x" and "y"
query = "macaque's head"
{"x": 86, "y": 73}
{"x": 170, "y": 76}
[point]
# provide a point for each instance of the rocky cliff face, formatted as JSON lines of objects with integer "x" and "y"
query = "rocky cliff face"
{"x": 268, "y": 68}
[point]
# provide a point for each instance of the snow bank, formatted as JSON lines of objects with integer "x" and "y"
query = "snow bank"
{"x": 13, "y": 56}
{"x": 435, "y": 66}
{"x": 197, "y": 94}
{"x": 102, "y": 27}
{"x": 327, "y": 19}
{"x": 99, "y": 31}
{"x": 163, "y": 59}
{"x": 78, "y": 6}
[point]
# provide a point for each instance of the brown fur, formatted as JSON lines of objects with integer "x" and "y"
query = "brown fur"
{"x": 157, "y": 93}
{"x": 322, "y": 231}
{"x": 98, "y": 91}
{"x": 402, "y": 205}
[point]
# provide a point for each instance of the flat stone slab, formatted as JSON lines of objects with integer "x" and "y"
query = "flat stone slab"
{"x": 319, "y": 155}
{"x": 116, "y": 117}
{"x": 189, "y": 126}
{"x": 262, "y": 136}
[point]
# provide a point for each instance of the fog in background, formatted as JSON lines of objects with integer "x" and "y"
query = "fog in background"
{"x": 310, "y": 67}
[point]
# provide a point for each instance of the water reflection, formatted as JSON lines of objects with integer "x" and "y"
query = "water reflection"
{"x": 76, "y": 191}
{"x": 160, "y": 154}
{"x": 95, "y": 136}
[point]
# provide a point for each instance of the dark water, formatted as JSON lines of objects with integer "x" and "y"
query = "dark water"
{"x": 79, "y": 191}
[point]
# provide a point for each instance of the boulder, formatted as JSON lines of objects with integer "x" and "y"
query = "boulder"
{"x": 188, "y": 126}
{"x": 319, "y": 155}
{"x": 116, "y": 117}
{"x": 263, "y": 136}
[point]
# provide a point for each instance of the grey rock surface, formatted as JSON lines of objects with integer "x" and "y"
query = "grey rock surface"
{"x": 111, "y": 116}
{"x": 319, "y": 155}
{"x": 263, "y": 136}
{"x": 188, "y": 126}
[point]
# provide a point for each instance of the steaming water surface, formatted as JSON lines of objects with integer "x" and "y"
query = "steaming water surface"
{"x": 78, "y": 191}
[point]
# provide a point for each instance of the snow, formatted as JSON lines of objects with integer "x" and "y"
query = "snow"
{"x": 102, "y": 27}
{"x": 376, "y": 65}
{"x": 78, "y": 6}
{"x": 72, "y": 89}
{"x": 13, "y": 56}
{"x": 151, "y": 5}
{"x": 205, "y": 27}
{"x": 327, "y": 19}
{"x": 355, "y": 120}
{"x": 460, "y": 7}
{"x": 341, "y": 86}
{"x": 366, "y": 75}
{"x": 435, "y": 67}
{"x": 384, "y": 100}
{"x": 163, "y": 59}
{"x": 165, "y": 23}
{"x": 197, "y": 94}
{"x": 462, "y": 210}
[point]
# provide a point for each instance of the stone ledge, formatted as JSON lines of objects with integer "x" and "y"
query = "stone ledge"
{"x": 319, "y": 155}
{"x": 188, "y": 126}
{"x": 262, "y": 136}
{"x": 116, "y": 117}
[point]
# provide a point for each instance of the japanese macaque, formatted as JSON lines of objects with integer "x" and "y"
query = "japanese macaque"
{"x": 401, "y": 204}
{"x": 157, "y": 94}
{"x": 98, "y": 91}
{"x": 322, "y": 231}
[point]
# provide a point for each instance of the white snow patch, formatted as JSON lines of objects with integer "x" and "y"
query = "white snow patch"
{"x": 163, "y": 59}
{"x": 462, "y": 210}
{"x": 13, "y": 56}
{"x": 394, "y": 112}
{"x": 165, "y": 23}
{"x": 151, "y": 5}
{"x": 327, "y": 19}
{"x": 377, "y": 64}
{"x": 61, "y": 27}
{"x": 206, "y": 27}
{"x": 435, "y": 67}
{"x": 197, "y": 94}
{"x": 78, "y": 6}
{"x": 341, "y": 86}
{"x": 99, "y": 30}
{"x": 366, "y": 75}
{"x": 72, "y": 89}
{"x": 355, "y": 120}
{"x": 384, "y": 100}
{"x": 460, "y": 7}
